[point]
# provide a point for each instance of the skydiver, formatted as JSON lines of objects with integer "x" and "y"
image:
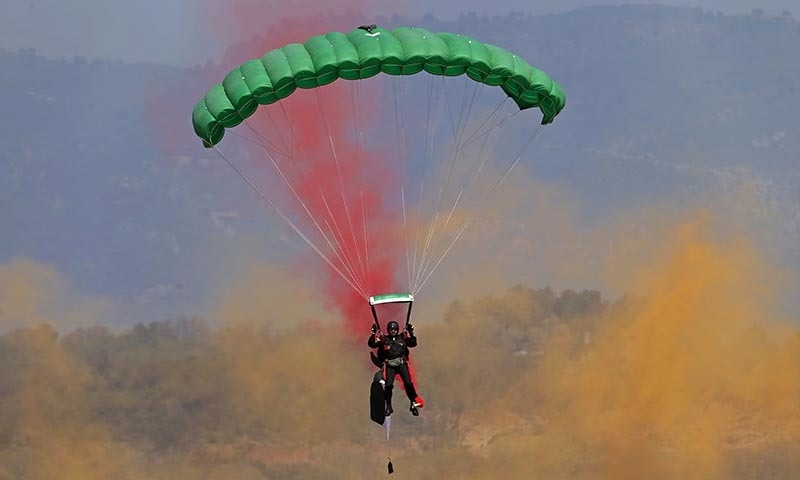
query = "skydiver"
{"x": 393, "y": 352}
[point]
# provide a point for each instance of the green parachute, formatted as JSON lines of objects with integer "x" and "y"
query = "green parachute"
{"x": 363, "y": 53}
{"x": 400, "y": 53}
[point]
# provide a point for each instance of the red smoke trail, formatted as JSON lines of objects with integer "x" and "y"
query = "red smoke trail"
{"x": 334, "y": 189}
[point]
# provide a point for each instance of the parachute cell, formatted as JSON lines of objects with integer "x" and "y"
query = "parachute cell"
{"x": 361, "y": 54}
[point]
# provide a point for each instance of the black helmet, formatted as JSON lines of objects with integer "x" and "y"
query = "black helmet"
{"x": 393, "y": 327}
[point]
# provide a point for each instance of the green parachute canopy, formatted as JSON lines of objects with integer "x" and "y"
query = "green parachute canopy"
{"x": 362, "y": 54}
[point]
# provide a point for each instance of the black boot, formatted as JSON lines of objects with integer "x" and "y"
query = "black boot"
{"x": 389, "y": 409}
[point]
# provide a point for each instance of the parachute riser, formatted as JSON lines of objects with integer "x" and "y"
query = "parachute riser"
{"x": 390, "y": 298}
{"x": 375, "y": 317}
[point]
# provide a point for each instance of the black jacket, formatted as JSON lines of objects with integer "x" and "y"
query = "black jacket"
{"x": 391, "y": 347}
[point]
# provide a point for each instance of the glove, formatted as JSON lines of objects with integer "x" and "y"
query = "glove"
{"x": 410, "y": 329}
{"x": 374, "y": 328}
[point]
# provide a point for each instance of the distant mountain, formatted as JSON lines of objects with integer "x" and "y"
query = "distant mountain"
{"x": 99, "y": 167}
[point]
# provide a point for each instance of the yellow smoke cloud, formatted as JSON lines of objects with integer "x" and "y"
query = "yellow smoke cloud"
{"x": 32, "y": 293}
{"x": 270, "y": 296}
{"x": 695, "y": 375}
{"x": 678, "y": 383}
{"x": 52, "y": 432}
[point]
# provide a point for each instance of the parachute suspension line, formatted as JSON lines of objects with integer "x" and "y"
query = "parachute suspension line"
{"x": 477, "y": 137}
{"x": 366, "y": 243}
{"x": 250, "y": 140}
{"x": 458, "y": 134}
{"x": 461, "y": 232}
{"x": 399, "y": 118}
{"x": 360, "y": 130}
{"x": 424, "y": 267}
{"x": 432, "y": 128}
{"x": 449, "y": 110}
{"x": 328, "y": 132}
{"x": 290, "y": 156}
{"x": 426, "y": 247}
{"x": 455, "y": 151}
{"x": 335, "y": 249}
{"x": 305, "y": 155}
{"x": 403, "y": 134}
{"x": 337, "y": 230}
{"x": 357, "y": 116}
{"x": 427, "y": 151}
{"x": 533, "y": 137}
{"x": 402, "y": 140}
{"x": 417, "y": 239}
{"x": 292, "y": 129}
{"x": 506, "y": 173}
{"x": 466, "y": 112}
{"x": 476, "y": 169}
{"x": 297, "y": 197}
{"x": 286, "y": 146}
{"x": 356, "y": 98}
{"x": 438, "y": 112}
{"x": 502, "y": 102}
{"x": 357, "y": 129}
{"x": 428, "y": 135}
{"x": 436, "y": 211}
{"x": 400, "y": 147}
{"x": 455, "y": 147}
{"x": 396, "y": 114}
{"x": 362, "y": 149}
{"x": 430, "y": 138}
{"x": 341, "y": 184}
{"x": 353, "y": 234}
{"x": 262, "y": 140}
{"x": 513, "y": 164}
{"x": 290, "y": 223}
{"x": 398, "y": 85}
{"x": 405, "y": 231}
{"x": 483, "y": 152}
{"x": 483, "y": 156}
